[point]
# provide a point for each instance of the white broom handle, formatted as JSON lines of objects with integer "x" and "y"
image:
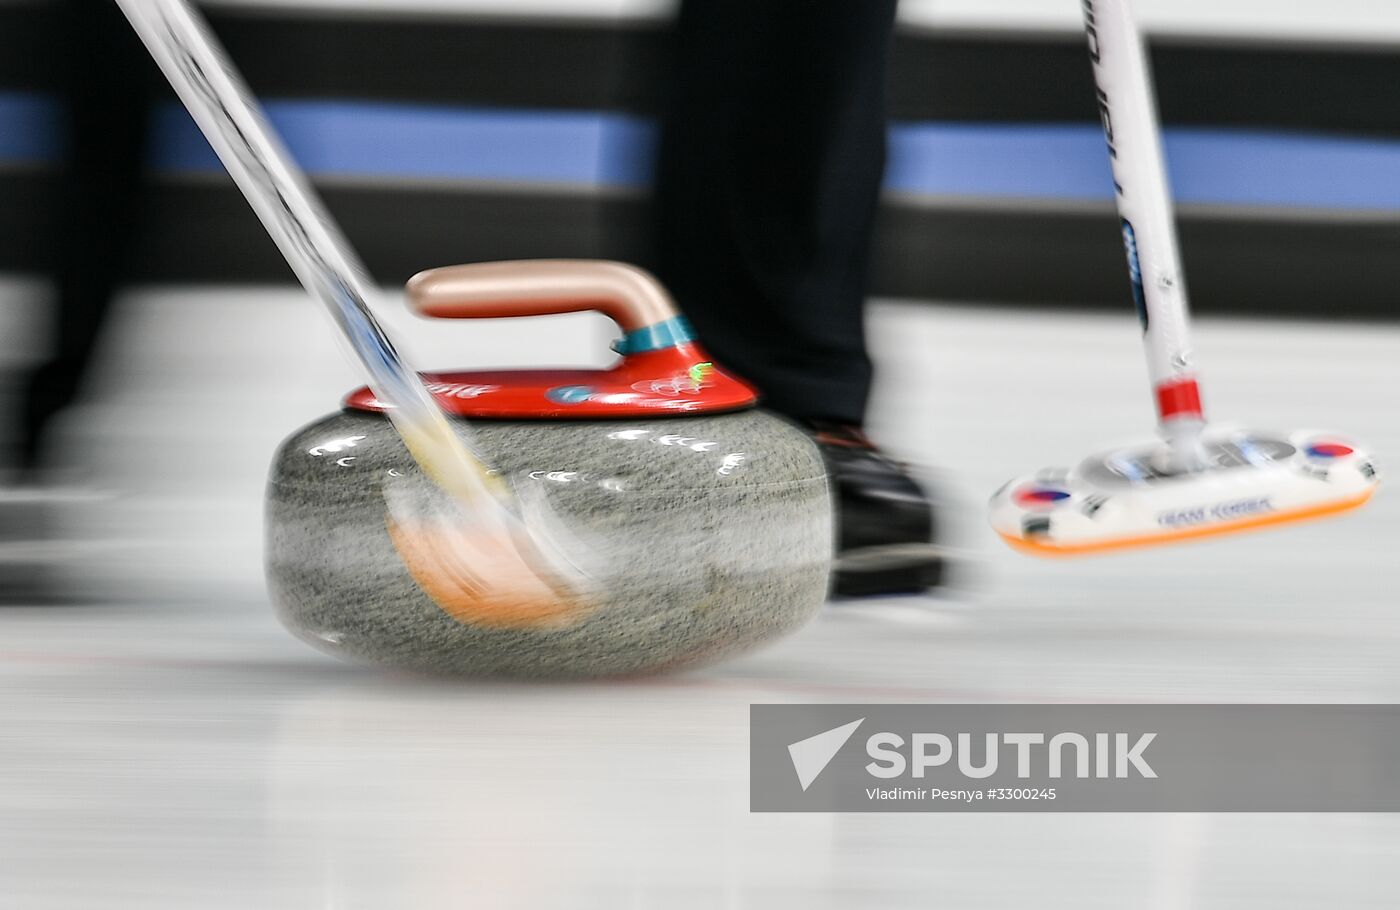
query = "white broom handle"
{"x": 299, "y": 224}
{"x": 1129, "y": 111}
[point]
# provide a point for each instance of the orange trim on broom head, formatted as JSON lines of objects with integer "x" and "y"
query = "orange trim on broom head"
{"x": 1036, "y": 548}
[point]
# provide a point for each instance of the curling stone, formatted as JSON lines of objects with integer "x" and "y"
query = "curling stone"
{"x": 703, "y": 524}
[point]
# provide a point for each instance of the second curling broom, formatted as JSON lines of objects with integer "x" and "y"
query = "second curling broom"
{"x": 1197, "y": 480}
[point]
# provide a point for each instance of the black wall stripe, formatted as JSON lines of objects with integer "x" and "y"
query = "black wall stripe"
{"x": 204, "y": 232}
{"x": 935, "y": 75}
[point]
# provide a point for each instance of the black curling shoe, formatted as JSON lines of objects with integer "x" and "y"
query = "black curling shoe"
{"x": 886, "y": 524}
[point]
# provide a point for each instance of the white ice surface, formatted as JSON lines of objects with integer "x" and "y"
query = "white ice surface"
{"x": 174, "y": 748}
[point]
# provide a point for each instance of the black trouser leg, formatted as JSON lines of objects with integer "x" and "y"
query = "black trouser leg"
{"x": 768, "y": 177}
{"x": 104, "y": 87}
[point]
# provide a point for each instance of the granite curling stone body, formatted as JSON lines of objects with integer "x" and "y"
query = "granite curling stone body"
{"x": 704, "y": 525}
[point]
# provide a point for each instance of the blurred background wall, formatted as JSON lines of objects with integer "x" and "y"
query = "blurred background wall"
{"x": 452, "y": 130}
{"x": 444, "y": 131}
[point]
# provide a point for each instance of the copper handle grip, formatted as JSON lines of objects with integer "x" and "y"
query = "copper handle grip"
{"x": 630, "y": 296}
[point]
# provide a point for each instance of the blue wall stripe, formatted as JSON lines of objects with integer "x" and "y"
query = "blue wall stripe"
{"x": 1046, "y": 161}
{"x": 1056, "y": 162}
{"x": 29, "y": 129}
{"x": 361, "y": 139}
{"x": 1212, "y": 166}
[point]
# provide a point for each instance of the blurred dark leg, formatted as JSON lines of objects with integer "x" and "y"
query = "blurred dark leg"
{"x": 768, "y": 177}
{"x": 104, "y": 86}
